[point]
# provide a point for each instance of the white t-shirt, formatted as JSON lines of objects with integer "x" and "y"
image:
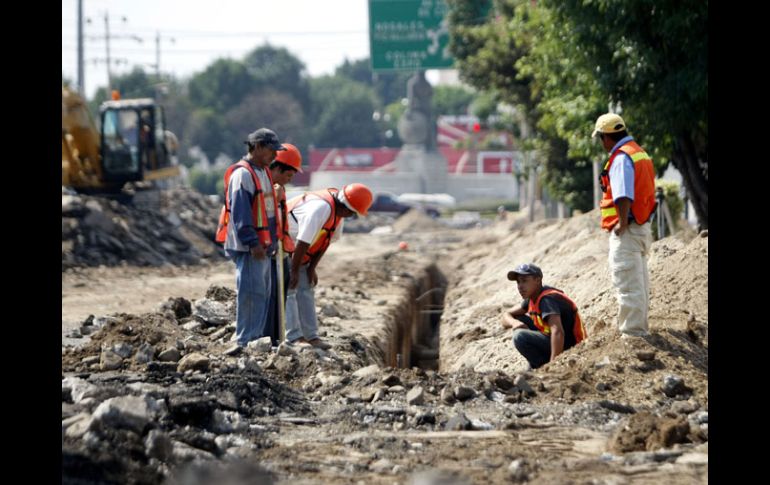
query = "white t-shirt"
{"x": 267, "y": 191}
{"x": 310, "y": 218}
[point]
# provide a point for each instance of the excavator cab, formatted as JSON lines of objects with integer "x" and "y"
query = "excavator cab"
{"x": 133, "y": 144}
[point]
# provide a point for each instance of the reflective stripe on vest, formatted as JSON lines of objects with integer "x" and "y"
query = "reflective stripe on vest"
{"x": 324, "y": 236}
{"x": 644, "y": 202}
{"x": 578, "y": 330}
{"x": 258, "y": 206}
{"x": 282, "y": 225}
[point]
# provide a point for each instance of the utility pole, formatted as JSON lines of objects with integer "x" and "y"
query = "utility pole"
{"x": 81, "y": 69}
{"x": 107, "y": 43}
{"x": 157, "y": 52}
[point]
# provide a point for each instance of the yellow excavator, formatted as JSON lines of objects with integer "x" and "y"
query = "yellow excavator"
{"x": 131, "y": 146}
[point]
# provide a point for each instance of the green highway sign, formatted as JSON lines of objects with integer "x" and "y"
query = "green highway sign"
{"x": 409, "y": 35}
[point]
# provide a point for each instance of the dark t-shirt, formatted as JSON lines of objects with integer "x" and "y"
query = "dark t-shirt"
{"x": 553, "y": 305}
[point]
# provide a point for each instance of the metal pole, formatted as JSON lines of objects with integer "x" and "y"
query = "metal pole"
{"x": 597, "y": 189}
{"x": 81, "y": 70}
{"x": 659, "y": 214}
{"x": 107, "y": 43}
{"x": 157, "y": 54}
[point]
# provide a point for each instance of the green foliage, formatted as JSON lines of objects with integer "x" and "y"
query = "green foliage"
{"x": 342, "y": 113}
{"x": 221, "y": 86}
{"x": 277, "y": 69}
{"x": 207, "y": 182}
{"x": 673, "y": 200}
{"x": 452, "y": 100}
{"x": 389, "y": 86}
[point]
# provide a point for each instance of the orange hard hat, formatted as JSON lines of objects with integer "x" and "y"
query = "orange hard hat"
{"x": 291, "y": 157}
{"x": 357, "y": 197}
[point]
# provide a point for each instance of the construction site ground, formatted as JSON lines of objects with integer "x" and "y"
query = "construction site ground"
{"x": 421, "y": 385}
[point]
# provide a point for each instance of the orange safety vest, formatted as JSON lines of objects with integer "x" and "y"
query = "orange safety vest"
{"x": 534, "y": 312}
{"x": 258, "y": 210}
{"x": 644, "y": 187}
{"x": 324, "y": 237}
{"x": 282, "y": 225}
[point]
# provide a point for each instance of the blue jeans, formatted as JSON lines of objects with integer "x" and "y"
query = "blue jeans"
{"x": 301, "y": 319}
{"x": 533, "y": 345}
{"x": 252, "y": 281}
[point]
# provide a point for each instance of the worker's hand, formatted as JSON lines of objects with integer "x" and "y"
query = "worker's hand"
{"x": 293, "y": 278}
{"x": 312, "y": 277}
{"x": 279, "y": 191}
{"x": 257, "y": 252}
{"x": 620, "y": 229}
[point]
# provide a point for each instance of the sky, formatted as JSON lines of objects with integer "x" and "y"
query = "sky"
{"x": 194, "y": 33}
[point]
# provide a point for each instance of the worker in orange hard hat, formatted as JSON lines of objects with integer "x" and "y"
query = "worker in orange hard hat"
{"x": 286, "y": 164}
{"x": 315, "y": 220}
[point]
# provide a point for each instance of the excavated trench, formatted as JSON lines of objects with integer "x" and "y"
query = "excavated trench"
{"x": 416, "y": 322}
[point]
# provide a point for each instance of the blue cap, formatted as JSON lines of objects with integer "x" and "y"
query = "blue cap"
{"x": 524, "y": 269}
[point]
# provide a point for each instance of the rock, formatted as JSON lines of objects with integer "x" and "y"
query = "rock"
{"x": 250, "y": 364}
{"x": 220, "y": 293}
{"x": 382, "y": 465}
{"x": 261, "y": 345}
{"x": 503, "y": 383}
{"x": 603, "y": 363}
{"x": 130, "y": 412}
{"x": 222, "y": 332}
{"x": 684, "y": 407}
{"x": 425, "y": 418}
{"x": 365, "y": 372}
{"x": 381, "y": 302}
{"x": 415, "y": 396}
{"x": 462, "y": 393}
{"x": 193, "y": 361}
{"x": 330, "y": 310}
{"x": 110, "y": 360}
{"x": 213, "y": 312}
{"x": 228, "y": 422}
{"x": 378, "y": 395}
{"x": 182, "y": 452}
{"x": 78, "y": 389}
{"x": 704, "y": 233}
{"x": 447, "y": 396}
{"x": 75, "y": 333}
{"x": 396, "y": 389}
{"x": 391, "y": 380}
{"x": 145, "y": 353}
{"x": 646, "y": 355}
{"x": 458, "y": 423}
{"x": 158, "y": 445}
{"x": 91, "y": 359}
{"x": 123, "y": 349}
{"x": 171, "y": 354}
{"x": 521, "y": 383}
{"x": 328, "y": 380}
{"x": 192, "y": 326}
{"x": 617, "y": 407}
{"x": 181, "y": 307}
{"x": 367, "y": 395}
{"x": 76, "y": 426}
{"x": 287, "y": 350}
{"x": 673, "y": 385}
{"x": 701, "y": 417}
{"x": 479, "y": 425}
{"x": 603, "y": 387}
{"x": 72, "y": 206}
{"x": 517, "y": 470}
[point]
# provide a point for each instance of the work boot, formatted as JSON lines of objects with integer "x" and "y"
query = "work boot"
{"x": 320, "y": 344}
{"x": 301, "y": 340}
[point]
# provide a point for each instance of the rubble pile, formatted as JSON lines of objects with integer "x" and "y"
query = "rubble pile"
{"x": 107, "y": 231}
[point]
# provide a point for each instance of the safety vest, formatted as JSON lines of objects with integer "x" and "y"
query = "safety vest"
{"x": 534, "y": 312}
{"x": 258, "y": 210}
{"x": 324, "y": 236}
{"x": 282, "y": 225}
{"x": 644, "y": 202}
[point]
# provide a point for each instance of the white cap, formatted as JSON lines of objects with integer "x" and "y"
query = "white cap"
{"x": 341, "y": 197}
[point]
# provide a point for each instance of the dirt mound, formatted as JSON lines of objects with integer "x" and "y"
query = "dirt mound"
{"x": 573, "y": 256}
{"x": 416, "y": 220}
{"x": 177, "y": 228}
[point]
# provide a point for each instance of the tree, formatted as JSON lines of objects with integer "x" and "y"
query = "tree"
{"x": 342, "y": 113}
{"x": 452, "y": 100}
{"x": 221, "y": 86}
{"x": 652, "y": 58}
{"x": 277, "y": 69}
{"x": 390, "y": 86}
{"x": 205, "y": 129}
{"x": 265, "y": 108}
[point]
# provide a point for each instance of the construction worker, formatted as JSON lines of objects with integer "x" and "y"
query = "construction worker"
{"x": 286, "y": 164}
{"x": 244, "y": 229}
{"x": 628, "y": 183}
{"x": 546, "y": 323}
{"x": 315, "y": 220}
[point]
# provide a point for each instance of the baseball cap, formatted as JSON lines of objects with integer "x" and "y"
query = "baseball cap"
{"x": 266, "y": 137}
{"x": 524, "y": 269}
{"x": 608, "y": 123}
